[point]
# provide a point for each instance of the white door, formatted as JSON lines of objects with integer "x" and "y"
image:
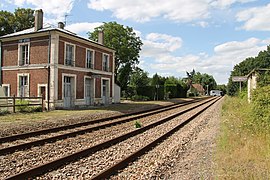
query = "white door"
{"x": 88, "y": 91}
{"x": 67, "y": 92}
{"x": 105, "y": 91}
{"x": 23, "y": 86}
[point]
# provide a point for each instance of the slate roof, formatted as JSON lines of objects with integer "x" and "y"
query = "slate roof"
{"x": 49, "y": 28}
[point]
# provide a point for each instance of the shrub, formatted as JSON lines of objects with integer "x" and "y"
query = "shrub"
{"x": 36, "y": 109}
{"x": 261, "y": 106}
{"x": 22, "y": 105}
{"x": 139, "y": 98}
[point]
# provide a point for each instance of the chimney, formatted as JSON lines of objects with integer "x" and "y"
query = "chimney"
{"x": 38, "y": 19}
{"x": 61, "y": 25}
{"x": 101, "y": 37}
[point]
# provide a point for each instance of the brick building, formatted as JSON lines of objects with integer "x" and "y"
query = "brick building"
{"x": 68, "y": 70}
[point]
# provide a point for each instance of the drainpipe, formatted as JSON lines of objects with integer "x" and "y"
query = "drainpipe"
{"x": 49, "y": 71}
{"x": 1, "y": 63}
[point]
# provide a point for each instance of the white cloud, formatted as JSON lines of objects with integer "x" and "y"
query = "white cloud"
{"x": 57, "y": 9}
{"x": 256, "y": 18}
{"x": 143, "y": 11}
{"x": 82, "y": 27}
{"x": 158, "y": 44}
{"x": 175, "y": 10}
{"x": 219, "y": 64}
{"x": 228, "y": 3}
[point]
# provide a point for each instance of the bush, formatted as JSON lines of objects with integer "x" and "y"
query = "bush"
{"x": 22, "y": 105}
{"x": 261, "y": 106}
{"x": 36, "y": 109}
{"x": 139, "y": 98}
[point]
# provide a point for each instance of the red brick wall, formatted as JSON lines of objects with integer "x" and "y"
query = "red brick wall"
{"x": 37, "y": 76}
{"x": 98, "y": 88}
{"x": 61, "y": 52}
{"x": 80, "y": 56}
{"x": 98, "y": 60}
{"x": 80, "y": 53}
{"x": 10, "y": 53}
{"x": 79, "y": 82}
{"x": 38, "y": 51}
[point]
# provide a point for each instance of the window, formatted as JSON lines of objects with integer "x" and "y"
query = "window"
{"x": 6, "y": 88}
{"x": 70, "y": 49}
{"x": 23, "y": 86}
{"x": 105, "y": 62}
{"x": 24, "y": 54}
{"x": 42, "y": 91}
{"x": 89, "y": 59}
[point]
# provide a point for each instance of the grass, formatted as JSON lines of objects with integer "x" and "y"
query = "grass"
{"x": 41, "y": 116}
{"x": 242, "y": 152}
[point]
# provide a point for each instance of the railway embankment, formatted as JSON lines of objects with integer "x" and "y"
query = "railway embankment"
{"x": 243, "y": 147}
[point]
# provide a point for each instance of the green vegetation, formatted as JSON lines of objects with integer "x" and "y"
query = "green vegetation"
{"x": 243, "y": 148}
{"x": 127, "y": 47}
{"x": 137, "y": 124}
{"x": 13, "y": 22}
{"x": 261, "y": 108}
{"x": 246, "y": 66}
{"x": 22, "y": 105}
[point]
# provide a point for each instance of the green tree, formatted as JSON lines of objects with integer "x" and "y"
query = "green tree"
{"x": 245, "y": 67}
{"x": 203, "y": 79}
{"x": 127, "y": 46}
{"x": 157, "y": 80}
{"x": 19, "y": 20}
{"x": 139, "y": 78}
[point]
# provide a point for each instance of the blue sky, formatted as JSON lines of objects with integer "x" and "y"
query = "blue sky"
{"x": 210, "y": 36}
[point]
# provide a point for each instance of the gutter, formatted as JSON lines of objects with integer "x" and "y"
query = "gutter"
{"x": 1, "y": 63}
{"x": 49, "y": 71}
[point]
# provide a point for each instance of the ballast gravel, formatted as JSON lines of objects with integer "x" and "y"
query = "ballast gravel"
{"x": 22, "y": 160}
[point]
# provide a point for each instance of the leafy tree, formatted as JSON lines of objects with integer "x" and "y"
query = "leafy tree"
{"x": 24, "y": 19}
{"x": 157, "y": 80}
{"x": 19, "y": 20}
{"x": 139, "y": 78}
{"x": 246, "y": 66}
{"x": 127, "y": 46}
{"x": 203, "y": 79}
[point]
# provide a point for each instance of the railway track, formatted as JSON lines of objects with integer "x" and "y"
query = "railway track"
{"x": 9, "y": 144}
{"x": 44, "y": 167}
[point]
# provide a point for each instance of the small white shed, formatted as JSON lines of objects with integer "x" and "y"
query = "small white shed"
{"x": 117, "y": 93}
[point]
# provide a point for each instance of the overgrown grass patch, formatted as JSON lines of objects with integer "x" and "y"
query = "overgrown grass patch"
{"x": 243, "y": 152}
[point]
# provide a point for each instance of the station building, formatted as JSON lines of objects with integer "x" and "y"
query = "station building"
{"x": 66, "y": 69}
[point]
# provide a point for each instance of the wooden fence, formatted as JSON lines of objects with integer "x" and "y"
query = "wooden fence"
{"x": 10, "y": 102}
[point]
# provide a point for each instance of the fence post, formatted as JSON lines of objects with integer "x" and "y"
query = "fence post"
{"x": 42, "y": 101}
{"x": 14, "y": 103}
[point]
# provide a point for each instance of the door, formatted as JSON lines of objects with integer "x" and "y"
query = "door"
{"x": 67, "y": 92}
{"x": 105, "y": 91}
{"x": 88, "y": 91}
{"x": 23, "y": 86}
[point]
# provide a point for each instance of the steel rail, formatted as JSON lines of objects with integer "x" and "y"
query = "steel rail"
{"x": 55, "y": 138}
{"x": 65, "y": 127}
{"x": 124, "y": 162}
{"x": 41, "y": 169}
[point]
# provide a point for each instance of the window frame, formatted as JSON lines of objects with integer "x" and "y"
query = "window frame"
{"x": 8, "y": 89}
{"x": 106, "y": 68}
{"x": 92, "y": 59}
{"x": 66, "y": 54}
{"x": 22, "y": 62}
{"x": 28, "y": 84}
